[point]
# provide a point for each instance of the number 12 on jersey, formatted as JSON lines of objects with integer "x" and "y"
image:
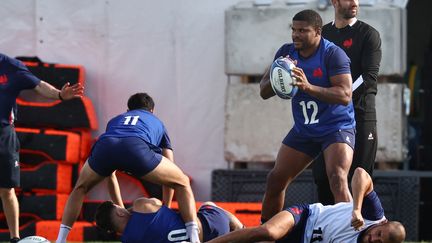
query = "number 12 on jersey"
{"x": 310, "y": 105}
{"x": 131, "y": 120}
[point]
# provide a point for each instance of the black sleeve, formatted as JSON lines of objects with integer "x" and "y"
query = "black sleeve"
{"x": 371, "y": 58}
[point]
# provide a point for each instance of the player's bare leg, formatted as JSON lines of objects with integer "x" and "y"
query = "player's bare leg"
{"x": 168, "y": 174}
{"x": 338, "y": 159}
{"x": 289, "y": 164}
{"x": 11, "y": 210}
{"x": 87, "y": 179}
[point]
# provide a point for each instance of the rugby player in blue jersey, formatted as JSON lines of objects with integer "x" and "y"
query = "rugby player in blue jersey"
{"x": 135, "y": 142}
{"x": 322, "y": 110}
{"x": 361, "y": 220}
{"x": 148, "y": 221}
{"x": 14, "y": 78}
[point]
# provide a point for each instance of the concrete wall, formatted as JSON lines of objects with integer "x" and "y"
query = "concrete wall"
{"x": 255, "y": 128}
{"x": 254, "y": 33}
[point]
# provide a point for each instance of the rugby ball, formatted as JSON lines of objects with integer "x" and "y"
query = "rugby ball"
{"x": 280, "y": 78}
{"x": 34, "y": 239}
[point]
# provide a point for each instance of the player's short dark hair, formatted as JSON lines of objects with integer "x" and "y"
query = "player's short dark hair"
{"x": 310, "y": 16}
{"x": 140, "y": 101}
{"x": 103, "y": 216}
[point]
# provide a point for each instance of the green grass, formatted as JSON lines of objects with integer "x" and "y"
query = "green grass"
{"x": 119, "y": 242}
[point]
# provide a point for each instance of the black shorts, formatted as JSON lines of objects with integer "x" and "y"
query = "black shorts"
{"x": 9, "y": 158}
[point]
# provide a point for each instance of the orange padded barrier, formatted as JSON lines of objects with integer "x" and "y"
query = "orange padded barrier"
{"x": 74, "y": 113}
{"x": 27, "y": 225}
{"x": 55, "y": 74}
{"x": 45, "y": 206}
{"x": 47, "y": 177}
{"x": 53, "y": 145}
{"x": 86, "y": 143}
{"x": 49, "y": 230}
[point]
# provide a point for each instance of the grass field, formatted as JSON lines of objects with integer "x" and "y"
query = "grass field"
{"x": 119, "y": 242}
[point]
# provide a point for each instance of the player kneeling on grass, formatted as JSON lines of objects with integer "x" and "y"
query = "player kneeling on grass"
{"x": 361, "y": 220}
{"x": 149, "y": 221}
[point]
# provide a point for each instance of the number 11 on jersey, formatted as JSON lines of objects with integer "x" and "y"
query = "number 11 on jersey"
{"x": 131, "y": 120}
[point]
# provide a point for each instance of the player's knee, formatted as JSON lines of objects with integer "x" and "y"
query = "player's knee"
{"x": 82, "y": 187}
{"x": 181, "y": 181}
{"x": 338, "y": 176}
{"x": 338, "y": 181}
{"x": 6, "y": 192}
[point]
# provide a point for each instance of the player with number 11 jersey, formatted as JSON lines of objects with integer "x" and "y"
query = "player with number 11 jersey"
{"x": 137, "y": 143}
{"x": 139, "y": 123}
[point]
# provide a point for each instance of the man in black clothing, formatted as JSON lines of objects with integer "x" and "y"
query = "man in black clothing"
{"x": 362, "y": 44}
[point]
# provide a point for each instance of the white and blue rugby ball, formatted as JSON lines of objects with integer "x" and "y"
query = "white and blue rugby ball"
{"x": 281, "y": 80}
{"x": 34, "y": 239}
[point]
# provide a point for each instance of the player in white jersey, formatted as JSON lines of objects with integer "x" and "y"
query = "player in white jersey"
{"x": 361, "y": 220}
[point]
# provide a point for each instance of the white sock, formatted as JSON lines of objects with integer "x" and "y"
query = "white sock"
{"x": 193, "y": 231}
{"x": 63, "y": 233}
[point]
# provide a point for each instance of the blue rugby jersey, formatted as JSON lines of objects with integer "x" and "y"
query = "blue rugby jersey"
{"x": 14, "y": 77}
{"x": 167, "y": 226}
{"x": 149, "y": 227}
{"x": 139, "y": 123}
{"x": 313, "y": 117}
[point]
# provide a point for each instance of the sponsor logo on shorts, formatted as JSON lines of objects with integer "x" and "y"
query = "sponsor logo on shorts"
{"x": 370, "y": 137}
{"x": 348, "y": 139}
{"x": 16, "y": 164}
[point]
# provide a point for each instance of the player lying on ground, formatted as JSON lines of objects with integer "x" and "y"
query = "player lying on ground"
{"x": 361, "y": 220}
{"x": 149, "y": 221}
